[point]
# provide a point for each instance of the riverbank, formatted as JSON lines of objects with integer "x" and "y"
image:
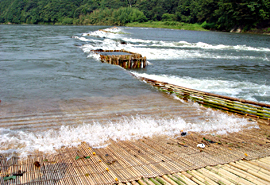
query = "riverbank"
{"x": 192, "y": 27}
{"x": 149, "y": 24}
{"x": 164, "y": 24}
{"x": 168, "y": 25}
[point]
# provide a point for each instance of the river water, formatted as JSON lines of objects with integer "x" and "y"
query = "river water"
{"x": 54, "y": 92}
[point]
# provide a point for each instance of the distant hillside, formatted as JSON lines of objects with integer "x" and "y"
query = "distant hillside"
{"x": 222, "y": 15}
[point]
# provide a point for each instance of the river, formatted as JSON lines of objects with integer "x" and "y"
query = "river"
{"x": 55, "y": 92}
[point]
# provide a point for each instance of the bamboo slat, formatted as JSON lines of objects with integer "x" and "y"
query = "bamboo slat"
{"x": 134, "y": 183}
{"x": 251, "y": 171}
{"x": 148, "y": 181}
{"x": 170, "y": 154}
{"x": 77, "y": 172}
{"x": 168, "y": 160}
{"x": 260, "y": 164}
{"x": 231, "y": 177}
{"x": 197, "y": 181}
{"x": 234, "y": 177}
{"x": 155, "y": 181}
{"x": 214, "y": 177}
{"x": 202, "y": 178}
{"x": 95, "y": 163}
{"x": 23, "y": 169}
{"x": 254, "y": 167}
{"x": 187, "y": 180}
{"x": 121, "y": 174}
{"x": 141, "y": 182}
{"x": 67, "y": 178}
{"x": 244, "y": 174}
{"x": 134, "y": 162}
{"x": 265, "y": 160}
{"x": 147, "y": 172}
{"x": 173, "y": 178}
{"x": 155, "y": 156}
{"x": 30, "y": 169}
{"x": 170, "y": 181}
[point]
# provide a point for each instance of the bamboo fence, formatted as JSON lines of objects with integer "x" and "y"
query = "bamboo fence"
{"x": 225, "y": 103}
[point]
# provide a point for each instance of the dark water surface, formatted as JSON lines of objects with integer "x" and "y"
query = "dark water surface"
{"x": 45, "y": 62}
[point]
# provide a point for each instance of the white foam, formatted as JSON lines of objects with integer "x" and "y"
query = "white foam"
{"x": 113, "y": 32}
{"x": 158, "y": 54}
{"x": 167, "y": 50}
{"x": 106, "y": 44}
{"x": 165, "y": 53}
{"x": 238, "y": 89}
{"x": 198, "y": 45}
{"x": 98, "y": 135}
{"x": 171, "y": 54}
{"x": 81, "y": 38}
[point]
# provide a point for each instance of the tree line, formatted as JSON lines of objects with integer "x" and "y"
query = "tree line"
{"x": 212, "y": 14}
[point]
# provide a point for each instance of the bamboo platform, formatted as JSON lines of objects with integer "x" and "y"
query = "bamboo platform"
{"x": 236, "y": 158}
{"x": 123, "y": 58}
{"x": 225, "y": 103}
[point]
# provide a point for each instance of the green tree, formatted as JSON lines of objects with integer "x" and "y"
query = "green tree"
{"x": 169, "y": 17}
{"x": 214, "y": 14}
{"x": 13, "y": 14}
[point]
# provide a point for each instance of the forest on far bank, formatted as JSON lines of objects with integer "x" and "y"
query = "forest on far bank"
{"x": 223, "y": 15}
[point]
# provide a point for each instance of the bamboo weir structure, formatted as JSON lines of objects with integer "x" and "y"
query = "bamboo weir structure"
{"x": 234, "y": 158}
{"x": 123, "y": 58}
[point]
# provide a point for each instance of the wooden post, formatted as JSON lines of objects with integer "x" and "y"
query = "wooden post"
{"x": 144, "y": 62}
{"x": 120, "y": 63}
{"x": 135, "y": 64}
{"x": 139, "y": 64}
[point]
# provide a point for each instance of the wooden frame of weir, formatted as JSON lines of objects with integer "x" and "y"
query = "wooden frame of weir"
{"x": 225, "y": 103}
{"x": 129, "y": 61}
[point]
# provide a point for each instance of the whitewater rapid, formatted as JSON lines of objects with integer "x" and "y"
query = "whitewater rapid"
{"x": 111, "y": 39}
